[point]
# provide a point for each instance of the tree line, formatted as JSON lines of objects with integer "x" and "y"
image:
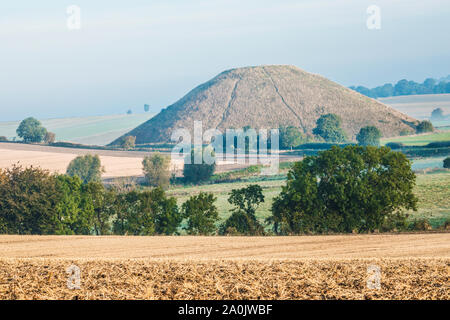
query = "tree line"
{"x": 328, "y": 129}
{"x": 351, "y": 189}
{"x": 404, "y": 88}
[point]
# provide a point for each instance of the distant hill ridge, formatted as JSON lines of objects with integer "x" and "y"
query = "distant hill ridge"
{"x": 267, "y": 97}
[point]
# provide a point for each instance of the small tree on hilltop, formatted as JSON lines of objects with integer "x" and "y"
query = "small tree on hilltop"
{"x": 243, "y": 217}
{"x": 369, "y": 136}
{"x": 157, "y": 170}
{"x": 425, "y": 126}
{"x": 329, "y": 128}
{"x": 201, "y": 213}
{"x": 146, "y": 107}
{"x": 87, "y": 167}
{"x": 31, "y": 130}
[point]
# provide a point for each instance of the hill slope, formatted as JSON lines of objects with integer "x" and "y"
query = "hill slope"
{"x": 266, "y": 97}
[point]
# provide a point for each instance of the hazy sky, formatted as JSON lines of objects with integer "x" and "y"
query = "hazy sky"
{"x": 132, "y": 52}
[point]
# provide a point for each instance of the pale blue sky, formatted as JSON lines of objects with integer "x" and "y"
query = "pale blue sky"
{"x": 128, "y": 53}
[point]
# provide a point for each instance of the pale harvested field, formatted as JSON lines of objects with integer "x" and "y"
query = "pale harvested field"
{"x": 58, "y": 162}
{"x": 116, "y": 163}
{"x": 419, "y": 106}
{"x": 206, "y": 248}
{"x": 412, "y": 266}
{"x": 56, "y": 159}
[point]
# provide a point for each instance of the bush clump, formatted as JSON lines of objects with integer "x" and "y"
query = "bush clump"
{"x": 395, "y": 145}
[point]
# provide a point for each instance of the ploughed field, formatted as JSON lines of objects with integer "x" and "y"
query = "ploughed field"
{"x": 411, "y": 266}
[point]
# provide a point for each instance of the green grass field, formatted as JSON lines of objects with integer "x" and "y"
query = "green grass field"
{"x": 99, "y": 130}
{"x": 432, "y": 189}
{"x": 420, "y": 140}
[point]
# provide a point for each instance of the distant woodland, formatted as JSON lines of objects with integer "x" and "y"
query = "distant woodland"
{"x": 406, "y": 88}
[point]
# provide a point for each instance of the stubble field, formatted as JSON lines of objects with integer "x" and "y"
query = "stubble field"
{"x": 412, "y": 266}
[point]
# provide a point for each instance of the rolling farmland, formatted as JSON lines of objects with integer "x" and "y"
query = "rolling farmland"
{"x": 97, "y": 130}
{"x": 420, "y": 106}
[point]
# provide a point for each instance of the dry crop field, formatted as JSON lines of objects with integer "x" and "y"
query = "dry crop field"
{"x": 412, "y": 266}
{"x": 115, "y": 163}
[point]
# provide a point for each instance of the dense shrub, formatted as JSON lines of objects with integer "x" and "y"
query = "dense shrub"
{"x": 243, "y": 217}
{"x": 438, "y": 144}
{"x": 128, "y": 142}
{"x": 344, "y": 190}
{"x": 146, "y": 213}
{"x": 157, "y": 170}
{"x": 3, "y": 139}
{"x": 49, "y": 137}
{"x": 28, "y": 201}
{"x": 329, "y": 128}
{"x": 201, "y": 214}
{"x": 291, "y": 137}
{"x": 424, "y": 126}
{"x": 420, "y": 225}
{"x": 446, "y": 163}
{"x": 87, "y": 167}
{"x": 33, "y": 201}
{"x": 197, "y": 172}
{"x": 406, "y": 132}
{"x": 369, "y": 136}
{"x": 321, "y": 145}
{"x": 395, "y": 145}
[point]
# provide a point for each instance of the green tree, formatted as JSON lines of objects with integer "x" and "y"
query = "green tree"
{"x": 447, "y": 163}
{"x": 201, "y": 214}
{"x": 329, "y": 128}
{"x": 291, "y": 137}
{"x": 146, "y": 107}
{"x": 197, "y": 172}
{"x": 28, "y": 201}
{"x": 87, "y": 167}
{"x": 49, "y": 137}
{"x": 146, "y": 213}
{"x": 31, "y": 130}
{"x": 3, "y": 139}
{"x": 99, "y": 204}
{"x": 424, "y": 126}
{"x": 437, "y": 114}
{"x": 128, "y": 142}
{"x": 157, "y": 170}
{"x": 243, "y": 217}
{"x": 345, "y": 189}
{"x": 73, "y": 212}
{"x": 165, "y": 210}
{"x": 369, "y": 136}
